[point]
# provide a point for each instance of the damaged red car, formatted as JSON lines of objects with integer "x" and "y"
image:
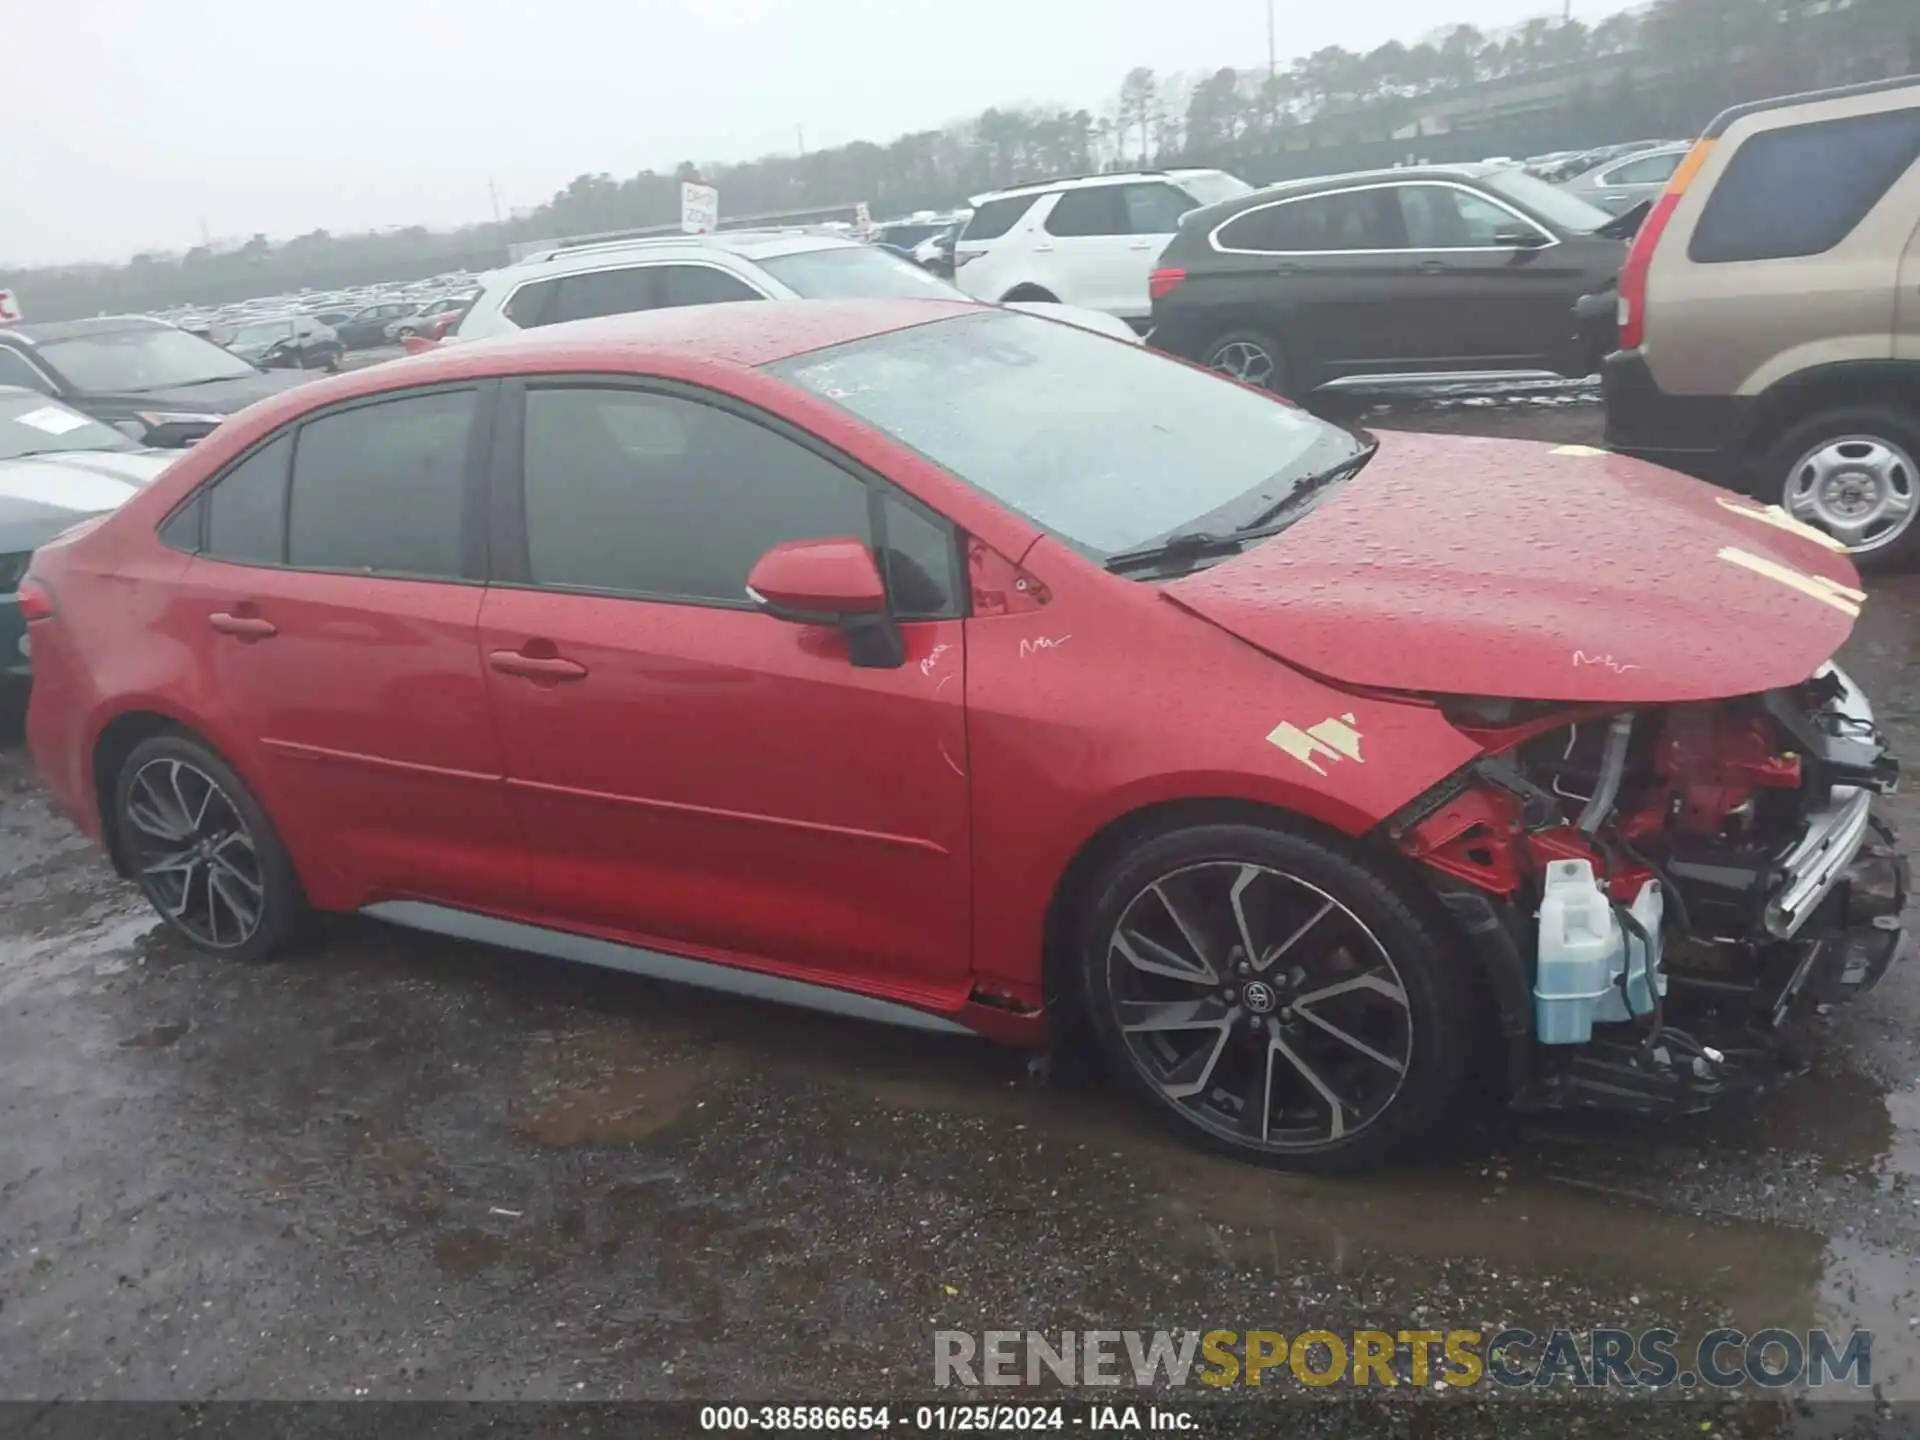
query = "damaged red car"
{"x": 958, "y": 668}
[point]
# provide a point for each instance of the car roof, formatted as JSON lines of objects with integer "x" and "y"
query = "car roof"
{"x": 1087, "y": 182}
{"x": 41, "y": 332}
{"x": 1314, "y": 184}
{"x": 1724, "y": 120}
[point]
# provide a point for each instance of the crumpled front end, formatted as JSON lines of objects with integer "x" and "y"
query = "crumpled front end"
{"x": 1658, "y": 894}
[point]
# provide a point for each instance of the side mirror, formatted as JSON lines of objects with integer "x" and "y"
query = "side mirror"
{"x": 1519, "y": 237}
{"x": 830, "y": 582}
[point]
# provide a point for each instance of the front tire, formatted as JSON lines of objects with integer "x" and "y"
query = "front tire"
{"x": 1853, "y": 473}
{"x": 203, "y": 851}
{"x": 1252, "y": 357}
{"x": 1273, "y": 996}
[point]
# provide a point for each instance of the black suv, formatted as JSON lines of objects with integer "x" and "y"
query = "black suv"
{"x": 1391, "y": 277}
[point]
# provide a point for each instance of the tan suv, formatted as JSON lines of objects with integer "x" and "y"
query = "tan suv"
{"x": 1770, "y": 315}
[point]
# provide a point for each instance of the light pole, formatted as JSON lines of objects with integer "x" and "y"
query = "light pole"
{"x": 1273, "y": 75}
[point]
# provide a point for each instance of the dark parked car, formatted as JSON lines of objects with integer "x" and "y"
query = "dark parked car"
{"x": 367, "y": 326}
{"x": 291, "y": 342}
{"x": 1387, "y": 277}
{"x": 148, "y": 379}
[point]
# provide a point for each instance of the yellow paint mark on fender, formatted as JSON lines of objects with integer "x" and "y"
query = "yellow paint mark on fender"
{"x": 1335, "y": 738}
{"x": 1773, "y": 515}
{"x": 1815, "y": 587}
{"x": 1575, "y": 450}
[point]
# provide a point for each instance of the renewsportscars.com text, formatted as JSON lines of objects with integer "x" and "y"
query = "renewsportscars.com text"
{"x": 1516, "y": 1358}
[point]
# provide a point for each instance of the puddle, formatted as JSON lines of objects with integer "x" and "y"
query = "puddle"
{"x": 616, "y": 1085}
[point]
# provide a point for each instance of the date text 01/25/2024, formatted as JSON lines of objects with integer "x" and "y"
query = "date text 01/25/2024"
{"x": 964, "y": 1419}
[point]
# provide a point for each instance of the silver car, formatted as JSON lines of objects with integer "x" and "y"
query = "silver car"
{"x": 1621, "y": 183}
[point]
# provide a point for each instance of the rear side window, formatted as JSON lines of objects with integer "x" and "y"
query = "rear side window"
{"x": 381, "y": 488}
{"x": 247, "y": 508}
{"x": 529, "y": 304}
{"x": 1800, "y": 190}
{"x": 700, "y": 285}
{"x": 997, "y": 217}
{"x": 1652, "y": 170}
{"x": 1095, "y": 211}
{"x": 1348, "y": 220}
{"x": 603, "y": 292}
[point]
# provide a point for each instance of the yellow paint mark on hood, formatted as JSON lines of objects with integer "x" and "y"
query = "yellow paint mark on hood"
{"x": 1814, "y": 587}
{"x": 1773, "y": 515}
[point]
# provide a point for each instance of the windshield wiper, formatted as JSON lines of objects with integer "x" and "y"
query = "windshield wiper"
{"x": 1308, "y": 486}
{"x": 1189, "y": 545}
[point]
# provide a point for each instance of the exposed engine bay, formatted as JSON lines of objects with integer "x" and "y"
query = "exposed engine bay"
{"x": 1657, "y": 894}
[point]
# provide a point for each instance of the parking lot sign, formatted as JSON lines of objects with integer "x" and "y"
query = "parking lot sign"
{"x": 699, "y": 208}
{"x": 9, "y": 308}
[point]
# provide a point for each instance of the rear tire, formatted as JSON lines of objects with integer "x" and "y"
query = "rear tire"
{"x": 1029, "y": 294}
{"x": 1273, "y": 995}
{"x": 1253, "y": 357}
{"x": 203, "y": 851}
{"x": 1852, "y": 468}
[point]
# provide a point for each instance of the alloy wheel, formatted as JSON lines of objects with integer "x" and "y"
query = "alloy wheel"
{"x": 1860, "y": 489}
{"x": 193, "y": 852}
{"x": 1245, "y": 361}
{"x": 1259, "y": 1005}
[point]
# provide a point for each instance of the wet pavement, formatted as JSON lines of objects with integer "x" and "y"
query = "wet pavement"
{"x": 397, "y": 1166}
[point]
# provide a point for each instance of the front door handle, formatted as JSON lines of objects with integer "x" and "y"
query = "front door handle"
{"x": 247, "y": 627}
{"x": 550, "y": 668}
{"x": 1141, "y": 245}
{"x": 1434, "y": 267}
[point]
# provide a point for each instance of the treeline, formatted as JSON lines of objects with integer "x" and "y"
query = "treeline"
{"x": 1664, "y": 69}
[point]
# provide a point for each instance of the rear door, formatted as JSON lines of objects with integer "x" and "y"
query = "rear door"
{"x": 1088, "y": 253}
{"x": 1625, "y": 184}
{"x": 338, "y": 578}
{"x": 690, "y": 772}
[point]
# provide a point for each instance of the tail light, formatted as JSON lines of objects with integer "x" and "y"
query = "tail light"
{"x": 1633, "y": 275}
{"x": 36, "y": 600}
{"x": 1164, "y": 281}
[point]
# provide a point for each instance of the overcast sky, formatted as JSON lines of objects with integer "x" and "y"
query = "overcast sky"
{"x": 127, "y": 126}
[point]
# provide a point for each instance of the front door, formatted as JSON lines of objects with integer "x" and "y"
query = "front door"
{"x": 339, "y": 629}
{"x": 694, "y": 774}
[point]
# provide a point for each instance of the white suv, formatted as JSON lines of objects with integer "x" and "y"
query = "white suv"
{"x": 621, "y": 276}
{"x": 1087, "y": 240}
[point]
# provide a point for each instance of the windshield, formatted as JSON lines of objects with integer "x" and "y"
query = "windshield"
{"x": 1104, "y": 445}
{"x": 856, "y": 272}
{"x": 1549, "y": 202}
{"x": 1214, "y": 186}
{"x": 141, "y": 360}
{"x": 35, "y": 425}
{"x": 264, "y": 333}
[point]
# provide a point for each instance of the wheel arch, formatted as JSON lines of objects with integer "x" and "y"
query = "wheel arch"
{"x": 1844, "y": 384}
{"x": 1031, "y": 293}
{"x": 141, "y": 720}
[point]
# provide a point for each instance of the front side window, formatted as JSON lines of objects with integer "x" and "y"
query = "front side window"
{"x": 143, "y": 359}
{"x": 1443, "y": 217}
{"x": 1801, "y": 189}
{"x": 1093, "y": 211}
{"x": 633, "y": 493}
{"x": 997, "y": 217}
{"x": 247, "y": 508}
{"x": 1105, "y": 446}
{"x": 1154, "y": 209}
{"x": 700, "y": 285}
{"x": 603, "y": 292}
{"x": 381, "y": 488}
{"x": 1651, "y": 170}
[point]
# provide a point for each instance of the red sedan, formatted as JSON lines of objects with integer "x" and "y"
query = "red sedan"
{"x": 958, "y": 668}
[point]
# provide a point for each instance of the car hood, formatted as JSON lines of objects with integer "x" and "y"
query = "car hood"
{"x": 216, "y": 397}
{"x": 43, "y": 494}
{"x": 1505, "y": 568}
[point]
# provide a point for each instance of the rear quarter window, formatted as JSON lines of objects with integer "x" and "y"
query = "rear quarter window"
{"x": 1801, "y": 189}
{"x": 997, "y": 217}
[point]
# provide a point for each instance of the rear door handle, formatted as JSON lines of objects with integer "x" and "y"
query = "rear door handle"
{"x": 247, "y": 627}
{"x": 1043, "y": 249}
{"x": 551, "y": 668}
{"x": 1141, "y": 245}
{"x": 1434, "y": 267}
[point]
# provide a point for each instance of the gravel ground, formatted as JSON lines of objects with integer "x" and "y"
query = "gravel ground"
{"x": 400, "y": 1167}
